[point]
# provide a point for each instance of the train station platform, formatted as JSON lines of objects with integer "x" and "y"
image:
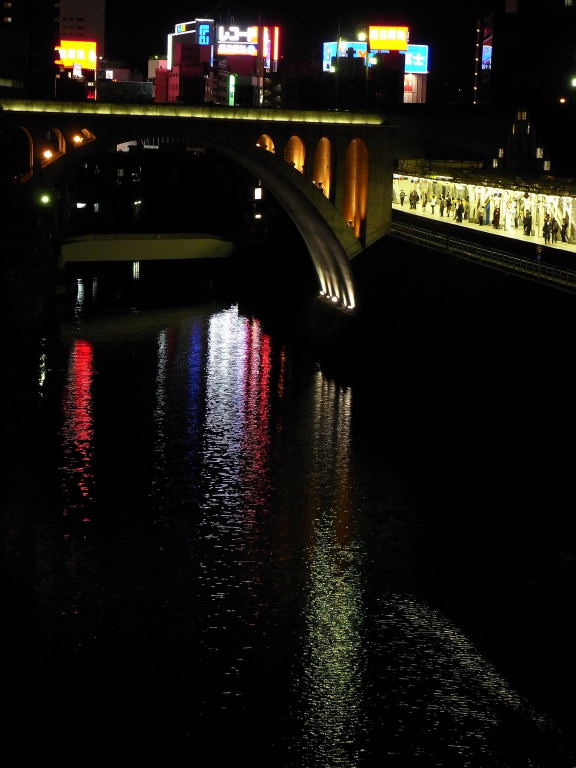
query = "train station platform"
{"x": 516, "y": 234}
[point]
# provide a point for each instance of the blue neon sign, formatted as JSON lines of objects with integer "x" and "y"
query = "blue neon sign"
{"x": 204, "y": 34}
{"x": 416, "y": 60}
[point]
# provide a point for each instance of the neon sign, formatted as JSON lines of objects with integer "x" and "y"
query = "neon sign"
{"x": 388, "y": 38}
{"x": 235, "y": 34}
{"x": 487, "y": 54}
{"x": 238, "y": 41}
{"x": 231, "y": 89}
{"x": 416, "y": 60}
{"x": 78, "y": 52}
{"x": 204, "y": 36}
{"x": 341, "y": 49}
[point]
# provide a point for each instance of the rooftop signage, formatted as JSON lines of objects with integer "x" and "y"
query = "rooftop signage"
{"x": 77, "y": 52}
{"x": 388, "y": 38}
{"x": 416, "y": 60}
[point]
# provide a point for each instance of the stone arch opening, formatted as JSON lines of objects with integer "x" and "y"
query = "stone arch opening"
{"x": 356, "y": 185}
{"x": 21, "y": 154}
{"x": 265, "y": 142}
{"x": 322, "y": 171}
{"x": 294, "y": 153}
{"x": 52, "y": 146}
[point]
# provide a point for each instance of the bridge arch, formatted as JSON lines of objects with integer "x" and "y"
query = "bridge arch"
{"x": 295, "y": 153}
{"x": 311, "y": 138}
{"x": 52, "y": 146}
{"x": 330, "y": 243}
{"x": 322, "y": 166}
{"x": 265, "y": 142}
{"x": 21, "y": 151}
{"x": 356, "y": 185}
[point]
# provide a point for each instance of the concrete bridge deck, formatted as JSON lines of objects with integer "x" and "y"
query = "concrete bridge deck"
{"x": 144, "y": 247}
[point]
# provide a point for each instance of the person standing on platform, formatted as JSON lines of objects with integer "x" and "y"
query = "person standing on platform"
{"x": 459, "y": 211}
{"x": 448, "y": 205}
{"x": 528, "y": 223}
{"x": 546, "y": 228}
{"x": 402, "y": 196}
{"x": 442, "y": 204}
{"x": 554, "y": 229}
{"x": 433, "y": 202}
{"x": 564, "y": 229}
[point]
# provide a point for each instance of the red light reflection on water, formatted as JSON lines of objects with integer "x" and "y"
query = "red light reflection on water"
{"x": 78, "y": 428}
{"x": 256, "y": 400}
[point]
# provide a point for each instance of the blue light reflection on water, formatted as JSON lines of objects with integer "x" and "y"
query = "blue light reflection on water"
{"x": 253, "y": 592}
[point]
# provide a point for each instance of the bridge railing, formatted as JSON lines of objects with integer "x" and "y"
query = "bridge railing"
{"x": 491, "y": 257}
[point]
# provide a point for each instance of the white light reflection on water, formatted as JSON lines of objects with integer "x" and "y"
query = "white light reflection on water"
{"x": 42, "y": 366}
{"x": 225, "y": 416}
{"x": 79, "y": 303}
{"x": 234, "y": 471}
{"x": 437, "y": 697}
{"x": 160, "y": 408}
{"x": 333, "y": 666}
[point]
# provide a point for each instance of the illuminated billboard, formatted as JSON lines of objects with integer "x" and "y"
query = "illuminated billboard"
{"x": 202, "y": 29}
{"x": 237, "y": 41}
{"x": 245, "y": 41}
{"x": 487, "y": 53}
{"x": 198, "y": 31}
{"x": 335, "y": 50}
{"x": 388, "y": 38}
{"x": 416, "y": 60}
{"x": 231, "y": 40}
{"x": 79, "y": 53}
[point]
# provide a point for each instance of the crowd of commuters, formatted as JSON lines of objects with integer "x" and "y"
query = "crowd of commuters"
{"x": 515, "y": 213}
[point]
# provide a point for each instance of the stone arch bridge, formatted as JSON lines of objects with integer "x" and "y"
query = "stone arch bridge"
{"x": 331, "y": 171}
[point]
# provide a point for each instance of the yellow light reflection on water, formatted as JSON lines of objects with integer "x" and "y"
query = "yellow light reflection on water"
{"x": 331, "y": 688}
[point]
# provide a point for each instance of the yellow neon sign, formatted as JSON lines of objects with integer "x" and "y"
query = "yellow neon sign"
{"x": 79, "y": 52}
{"x": 388, "y": 38}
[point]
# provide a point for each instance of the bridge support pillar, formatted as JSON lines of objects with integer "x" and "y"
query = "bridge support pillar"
{"x": 380, "y": 174}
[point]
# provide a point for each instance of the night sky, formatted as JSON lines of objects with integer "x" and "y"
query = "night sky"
{"x": 447, "y": 26}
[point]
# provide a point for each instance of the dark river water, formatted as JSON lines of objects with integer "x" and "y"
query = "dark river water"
{"x": 216, "y": 542}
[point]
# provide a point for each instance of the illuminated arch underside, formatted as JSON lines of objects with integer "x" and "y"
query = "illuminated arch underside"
{"x": 329, "y": 250}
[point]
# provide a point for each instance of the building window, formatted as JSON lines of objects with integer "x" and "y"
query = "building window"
{"x": 501, "y": 152}
{"x": 539, "y": 152}
{"x": 546, "y": 165}
{"x": 521, "y": 116}
{"x": 568, "y": 3}
{"x": 495, "y": 163}
{"x": 7, "y": 19}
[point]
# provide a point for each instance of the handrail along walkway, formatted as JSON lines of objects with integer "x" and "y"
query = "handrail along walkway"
{"x": 491, "y": 257}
